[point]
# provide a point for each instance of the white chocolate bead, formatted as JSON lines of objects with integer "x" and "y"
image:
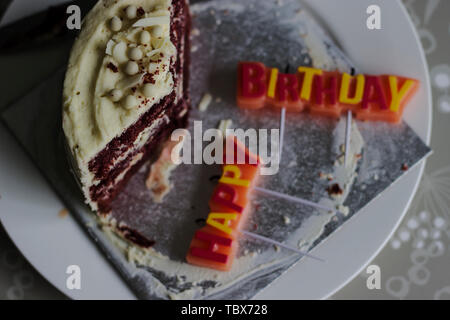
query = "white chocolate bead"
{"x": 130, "y": 102}
{"x": 131, "y": 12}
{"x": 131, "y": 68}
{"x": 157, "y": 31}
{"x": 149, "y": 90}
{"x": 116, "y": 24}
{"x": 135, "y": 54}
{"x": 116, "y": 95}
{"x": 145, "y": 37}
{"x": 120, "y": 52}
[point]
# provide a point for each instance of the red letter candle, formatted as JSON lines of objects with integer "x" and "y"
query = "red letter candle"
{"x": 215, "y": 245}
{"x": 377, "y": 98}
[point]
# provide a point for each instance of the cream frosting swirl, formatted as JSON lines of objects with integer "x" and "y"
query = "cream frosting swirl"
{"x": 119, "y": 68}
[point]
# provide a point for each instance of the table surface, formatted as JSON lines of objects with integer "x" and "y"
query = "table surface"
{"x": 410, "y": 264}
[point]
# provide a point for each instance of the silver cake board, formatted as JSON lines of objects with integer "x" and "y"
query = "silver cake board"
{"x": 35, "y": 121}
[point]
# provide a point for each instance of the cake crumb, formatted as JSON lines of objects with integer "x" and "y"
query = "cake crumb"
{"x": 63, "y": 213}
{"x": 343, "y": 209}
{"x": 158, "y": 180}
{"x": 112, "y": 67}
{"x": 292, "y": 164}
{"x": 195, "y": 32}
{"x": 326, "y": 176}
{"x": 287, "y": 220}
{"x": 335, "y": 190}
{"x": 205, "y": 102}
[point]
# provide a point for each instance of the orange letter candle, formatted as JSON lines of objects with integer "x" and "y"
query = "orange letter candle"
{"x": 215, "y": 245}
{"x": 377, "y": 98}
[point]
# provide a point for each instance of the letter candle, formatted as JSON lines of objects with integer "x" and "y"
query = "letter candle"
{"x": 375, "y": 98}
{"x": 278, "y": 194}
{"x": 215, "y": 245}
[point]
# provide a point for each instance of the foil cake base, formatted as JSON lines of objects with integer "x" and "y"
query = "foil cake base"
{"x": 229, "y": 32}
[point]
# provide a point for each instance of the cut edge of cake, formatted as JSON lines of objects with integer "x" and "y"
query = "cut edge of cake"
{"x": 103, "y": 174}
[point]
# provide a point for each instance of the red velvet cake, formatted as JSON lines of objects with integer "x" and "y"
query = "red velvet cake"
{"x": 126, "y": 90}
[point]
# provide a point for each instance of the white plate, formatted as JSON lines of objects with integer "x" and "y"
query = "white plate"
{"x": 29, "y": 208}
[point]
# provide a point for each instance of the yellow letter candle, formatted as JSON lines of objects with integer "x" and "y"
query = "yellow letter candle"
{"x": 376, "y": 98}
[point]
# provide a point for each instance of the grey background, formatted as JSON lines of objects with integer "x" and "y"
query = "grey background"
{"x": 412, "y": 264}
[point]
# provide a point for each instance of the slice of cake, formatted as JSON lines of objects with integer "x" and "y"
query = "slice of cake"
{"x": 126, "y": 90}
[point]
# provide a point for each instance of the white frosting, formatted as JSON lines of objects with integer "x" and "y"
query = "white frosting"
{"x": 99, "y": 103}
{"x": 344, "y": 176}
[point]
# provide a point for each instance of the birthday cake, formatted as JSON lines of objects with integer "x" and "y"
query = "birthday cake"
{"x": 126, "y": 89}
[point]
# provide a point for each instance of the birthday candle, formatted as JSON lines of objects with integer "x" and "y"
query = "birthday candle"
{"x": 215, "y": 245}
{"x": 369, "y": 97}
